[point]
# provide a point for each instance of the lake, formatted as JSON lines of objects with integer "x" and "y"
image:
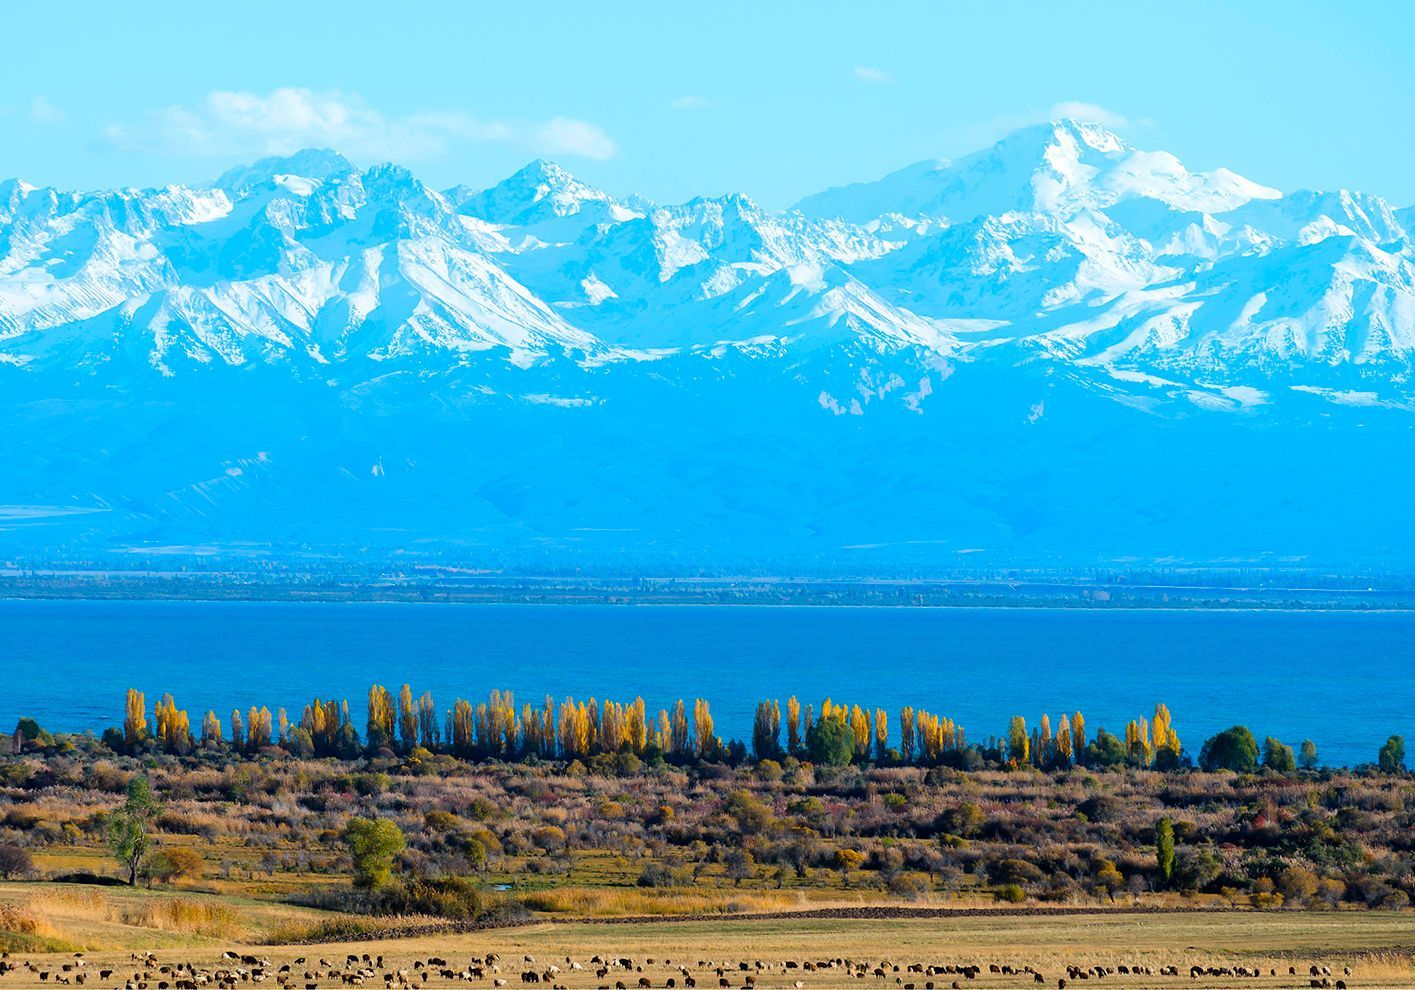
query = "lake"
{"x": 1345, "y": 680}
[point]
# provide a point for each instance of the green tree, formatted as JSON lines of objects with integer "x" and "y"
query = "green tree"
{"x": 738, "y": 864}
{"x": 1019, "y": 745}
{"x": 1277, "y": 756}
{"x": 373, "y": 843}
{"x": 475, "y": 851}
{"x": 1164, "y": 849}
{"x": 1392, "y": 755}
{"x": 830, "y": 743}
{"x": 1307, "y": 755}
{"x": 1105, "y": 750}
{"x": 129, "y": 830}
{"x": 1232, "y": 749}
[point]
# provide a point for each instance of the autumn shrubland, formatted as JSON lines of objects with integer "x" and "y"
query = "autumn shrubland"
{"x": 129, "y": 843}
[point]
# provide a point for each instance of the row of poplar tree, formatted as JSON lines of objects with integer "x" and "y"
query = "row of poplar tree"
{"x": 498, "y": 729}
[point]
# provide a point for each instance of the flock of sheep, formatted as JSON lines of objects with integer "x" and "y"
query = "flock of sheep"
{"x": 144, "y": 971}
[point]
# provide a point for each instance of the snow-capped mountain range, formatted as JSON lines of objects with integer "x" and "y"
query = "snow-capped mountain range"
{"x": 953, "y": 309}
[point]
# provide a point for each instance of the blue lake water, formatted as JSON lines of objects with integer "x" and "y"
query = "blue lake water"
{"x": 1345, "y": 680}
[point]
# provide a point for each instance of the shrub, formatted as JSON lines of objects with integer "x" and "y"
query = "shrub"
{"x": 549, "y": 838}
{"x": 1232, "y": 749}
{"x": 769, "y": 771}
{"x": 1101, "y": 808}
{"x": 657, "y": 875}
{"x": 1196, "y": 867}
{"x": 965, "y": 820}
{"x": 1014, "y": 871}
{"x": 15, "y": 861}
{"x": 1298, "y": 884}
{"x": 910, "y": 885}
{"x": 445, "y": 897}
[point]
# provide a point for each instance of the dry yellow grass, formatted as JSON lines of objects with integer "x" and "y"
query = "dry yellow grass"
{"x": 24, "y": 920}
{"x": 183, "y": 915}
{"x": 606, "y": 903}
{"x": 92, "y": 918}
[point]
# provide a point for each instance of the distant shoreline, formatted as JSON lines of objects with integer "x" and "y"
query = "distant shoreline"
{"x": 527, "y": 603}
{"x": 562, "y": 601}
{"x": 1097, "y": 590}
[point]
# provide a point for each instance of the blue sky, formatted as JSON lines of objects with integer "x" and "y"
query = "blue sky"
{"x": 673, "y": 100}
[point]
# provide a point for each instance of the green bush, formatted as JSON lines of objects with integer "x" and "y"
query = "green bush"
{"x": 1232, "y": 749}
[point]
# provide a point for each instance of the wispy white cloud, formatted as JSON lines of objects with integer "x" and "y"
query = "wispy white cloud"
{"x": 567, "y": 136}
{"x": 41, "y": 111}
{"x": 1089, "y": 113}
{"x": 690, "y": 103}
{"x": 869, "y": 74}
{"x": 239, "y": 122}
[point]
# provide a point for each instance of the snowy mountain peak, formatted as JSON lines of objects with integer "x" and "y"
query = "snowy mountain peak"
{"x": 1059, "y": 243}
{"x": 1062, "y": 167}
{"x": 311, "y": 165}
{"x": 541, "y": 191}
{"x": 1076, "y": 137}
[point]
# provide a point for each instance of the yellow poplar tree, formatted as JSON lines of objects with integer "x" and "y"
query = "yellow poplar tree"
{"x": 703, "y": 728}
{"x": 238, "y": 730}
{"x": 407, "y": 719}
{"x": 1064, "y": 753}
{"x": 860, "y": 729}
{"x": 135, "y": 718}
{"x": 1164, "y": 739}
{"x": 461, "y": 727}
{"x": 1137, "y": 742}
{"x": 663, "y": 735}
{"x": 174, "y": 732}
{"x": 680, "y": 730}
{"x": 427, "y": 720}
{"x": 380, "y": 717}
{"x": 906, "y": 733}
{"x": 793, "y": 725}
{"x": 638, "y": 728}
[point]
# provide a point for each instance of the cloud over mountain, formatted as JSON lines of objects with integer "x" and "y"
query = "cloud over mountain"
{"x": 284, "y": 120}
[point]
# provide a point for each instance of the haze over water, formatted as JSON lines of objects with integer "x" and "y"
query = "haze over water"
{"x": 1345, "y": 680}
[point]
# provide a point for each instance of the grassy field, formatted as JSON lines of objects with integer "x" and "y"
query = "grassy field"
{"x": 111, "y": 924}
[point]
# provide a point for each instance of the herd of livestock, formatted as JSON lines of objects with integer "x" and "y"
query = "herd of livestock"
{"x": 144, "y": 971}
